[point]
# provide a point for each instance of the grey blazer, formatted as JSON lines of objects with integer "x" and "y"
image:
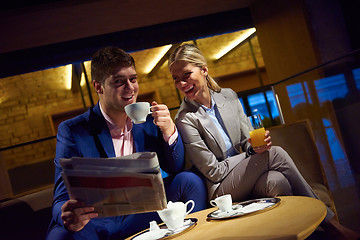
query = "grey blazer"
{"x": 204, "y": 145}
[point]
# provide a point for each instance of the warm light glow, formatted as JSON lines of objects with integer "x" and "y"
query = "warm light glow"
{"x": 82, "y": 79}
{"x": 279, "y": 108}
{"x": 87, "y": 66}
{"x": 246, "y": 33}
{"x": 68, "y": 76}
{"x": 3, "y": 98}
{"x": 162, "y": 51}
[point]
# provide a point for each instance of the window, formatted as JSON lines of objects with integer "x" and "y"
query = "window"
{"x": 243, "y": 105}
{"x": 330, "y": 88}
{"x": 356, "y": 75}
{"x": 255, "y": 102}
{"x": 338, "y": 154}
{"x": 298, "y": 93}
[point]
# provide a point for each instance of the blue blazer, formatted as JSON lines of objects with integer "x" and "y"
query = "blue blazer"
{"x": 88, "y": 135}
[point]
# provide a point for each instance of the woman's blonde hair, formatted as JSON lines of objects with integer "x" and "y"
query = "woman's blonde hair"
{"x": 191, "y": 53}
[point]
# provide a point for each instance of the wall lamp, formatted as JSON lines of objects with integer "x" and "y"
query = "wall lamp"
{"x": 248, "y": 33}
{"x": 157, "y": 61}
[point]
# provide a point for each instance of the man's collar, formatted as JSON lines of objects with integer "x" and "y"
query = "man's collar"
{"x": 111, "y": 123}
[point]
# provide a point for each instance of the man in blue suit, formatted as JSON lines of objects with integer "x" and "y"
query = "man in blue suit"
{"x": 106, "y": 131}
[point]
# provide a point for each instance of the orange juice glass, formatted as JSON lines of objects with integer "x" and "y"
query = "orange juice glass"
{"x": 257, "y": 137}
{"x": 257, "y": 131}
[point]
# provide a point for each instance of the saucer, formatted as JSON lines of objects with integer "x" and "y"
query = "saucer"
{"x": 164, "y": 232}
{"x": 246, "y": 207}
{"x": 220, "y": 214}
{"x": 159, "y": 234}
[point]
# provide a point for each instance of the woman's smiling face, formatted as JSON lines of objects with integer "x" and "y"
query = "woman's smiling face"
{"x": 190, "y": 80}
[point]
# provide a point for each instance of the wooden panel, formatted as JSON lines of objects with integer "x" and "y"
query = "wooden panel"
{"x": 285, "y": 38}
{"x": 5, "y": 189}
{"x": 30, "y": 177}
{"x": 58, "y": 117}
{"x": 149, "y": 96}
{"x": 298, "y": 140}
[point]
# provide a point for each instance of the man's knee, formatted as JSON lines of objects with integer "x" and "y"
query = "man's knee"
{"x": 192, "y": 187}
{"x": 190, "y": 179}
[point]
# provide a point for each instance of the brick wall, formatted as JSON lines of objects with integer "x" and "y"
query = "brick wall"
{"x": 27, "y": 101}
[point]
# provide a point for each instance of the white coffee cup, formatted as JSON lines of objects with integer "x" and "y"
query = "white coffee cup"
{"x": 173, "y": 216}
{"x": 224, "y": 203}
{"x": 138, "y": 111}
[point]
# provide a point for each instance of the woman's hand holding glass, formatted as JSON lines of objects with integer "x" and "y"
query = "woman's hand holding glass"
{"x": 264, "y": 147}
{"x": 260, "y": 139}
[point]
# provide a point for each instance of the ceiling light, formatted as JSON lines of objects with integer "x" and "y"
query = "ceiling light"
{"x": 162, "y": 51}
{"x": 245, "y": 34}
{"x": 68, "y": 76}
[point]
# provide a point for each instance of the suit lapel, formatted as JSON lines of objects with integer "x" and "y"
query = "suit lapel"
{"x": 209, "y": 126}
{"x": 138, "y": 137}
{"x": 106, "y": 140}
{"x": 101, "y": 131}
{"x": 227, "y": 115}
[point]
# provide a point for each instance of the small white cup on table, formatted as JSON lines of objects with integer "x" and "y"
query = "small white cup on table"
{"x": 224, "y": 203}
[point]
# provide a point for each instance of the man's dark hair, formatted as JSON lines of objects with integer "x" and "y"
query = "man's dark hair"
{"x": 106, "y": 59}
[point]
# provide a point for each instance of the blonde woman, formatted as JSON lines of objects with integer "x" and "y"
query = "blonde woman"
{"x": 215, "y": 132}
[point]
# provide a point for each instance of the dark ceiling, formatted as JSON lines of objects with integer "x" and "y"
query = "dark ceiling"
{"x": 43, "y": 34}
{"x": 37, "y": 58}
{"x": 36, "y": 36}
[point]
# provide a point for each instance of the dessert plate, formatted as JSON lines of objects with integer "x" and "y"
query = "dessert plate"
{"x": 164, "y": 232}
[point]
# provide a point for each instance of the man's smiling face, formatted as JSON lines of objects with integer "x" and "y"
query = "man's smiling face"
{"x": 120, "y": 89}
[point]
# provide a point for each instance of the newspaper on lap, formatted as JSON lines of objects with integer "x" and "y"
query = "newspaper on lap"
{"x": 116, "y": 186}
